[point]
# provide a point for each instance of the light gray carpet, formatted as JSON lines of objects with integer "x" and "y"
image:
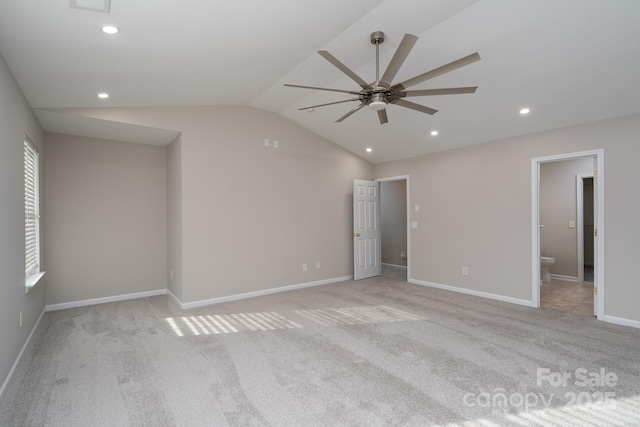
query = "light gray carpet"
{"x": 375, "y": 352}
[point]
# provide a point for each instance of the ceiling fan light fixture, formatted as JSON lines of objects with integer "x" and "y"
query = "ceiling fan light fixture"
{"x": 377, "y": 105}
{"x": 378, "y": 102}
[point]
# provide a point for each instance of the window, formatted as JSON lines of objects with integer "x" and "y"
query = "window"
{"x": 31, "y": 215}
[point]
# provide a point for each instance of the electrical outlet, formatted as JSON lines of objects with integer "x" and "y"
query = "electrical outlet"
{"x": 266, "y": 142}
{"x": 304, "y": 267}
{"x": 275, "y": 143}
{"x": 317, "y": 265}
{"x": 465, "y": 271}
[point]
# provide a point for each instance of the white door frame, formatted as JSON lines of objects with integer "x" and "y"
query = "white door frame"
{"x": 598, "y": 188}
{"x": 580, "y": 221}
{"x": 406, "y": 178}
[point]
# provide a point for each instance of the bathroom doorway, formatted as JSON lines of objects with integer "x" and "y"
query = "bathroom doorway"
{"x": 559, "y": 223}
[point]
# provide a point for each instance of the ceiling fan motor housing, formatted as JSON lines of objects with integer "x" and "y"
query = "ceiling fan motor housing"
{"x": 377, "y": 37}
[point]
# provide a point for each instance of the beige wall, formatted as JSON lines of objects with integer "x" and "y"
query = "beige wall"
{"x": 558, "y": 200}
{"x": 393, "y": 221}
{"x": 106, "y": 223}
{"x": 251, "y": 215}
{"x": 16, "y": 120}
{"x": 487, "y": 226}
{"x": 174, "y": 217}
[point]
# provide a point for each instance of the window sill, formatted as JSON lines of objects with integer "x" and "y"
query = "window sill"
{"x": 33, "y": 280}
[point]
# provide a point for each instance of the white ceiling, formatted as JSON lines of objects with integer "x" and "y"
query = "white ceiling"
{"x": 570, "y": 61}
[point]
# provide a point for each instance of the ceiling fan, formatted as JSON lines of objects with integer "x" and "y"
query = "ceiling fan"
{"x": 381, "y": 92}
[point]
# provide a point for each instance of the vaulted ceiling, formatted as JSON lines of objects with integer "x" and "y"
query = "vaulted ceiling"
{"x": 569, "y": 61}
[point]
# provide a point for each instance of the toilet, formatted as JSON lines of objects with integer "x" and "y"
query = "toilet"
{"x": 545, "y": 263}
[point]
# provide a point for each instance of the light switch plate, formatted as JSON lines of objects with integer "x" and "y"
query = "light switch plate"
{"x": 572, "y": 224}
{"x": 414, "y": 225}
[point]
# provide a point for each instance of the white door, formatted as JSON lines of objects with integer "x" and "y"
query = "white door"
{"x": 366, "y": 230}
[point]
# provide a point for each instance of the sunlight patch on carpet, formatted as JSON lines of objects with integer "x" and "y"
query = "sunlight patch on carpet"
{"x": 356, "y": 315}
{"x": 272, "y": 321}
{"x": 229, "y": 323}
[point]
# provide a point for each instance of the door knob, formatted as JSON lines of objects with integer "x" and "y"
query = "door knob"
{"x": 356, "y": 234}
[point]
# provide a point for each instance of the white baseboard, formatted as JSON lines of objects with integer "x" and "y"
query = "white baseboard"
{"x": 622, "y": 321}
{"x": 203, "y": 303}
{"x": 394, "y": 265}
{"x": 565, "y": 278}
{"x": 174, "y": 298}
{"x": 472, "y": 292}
{"x": 13, "y": 368}
{"x": 115, "y": 298}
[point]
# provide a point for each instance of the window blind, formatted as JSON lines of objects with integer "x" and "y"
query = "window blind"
{"x": 31, "y": 214}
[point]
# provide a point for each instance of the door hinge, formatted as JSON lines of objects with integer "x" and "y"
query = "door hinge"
{"x": 595, "y": 174}
{"x": 595, "y": 291}
{"x": 595, "y": 232}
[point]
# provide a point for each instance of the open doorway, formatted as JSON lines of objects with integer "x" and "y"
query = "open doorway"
{"x": 558, "y": 232}
{"x": 561, "y": 235}
{"x": 394, "y": 252}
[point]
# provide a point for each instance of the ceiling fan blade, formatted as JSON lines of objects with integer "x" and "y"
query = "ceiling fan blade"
{"x": 431, "y": 92}
{"x": 402, "y": 52}
{"x": 323, "y": 88}
{"x": 413, "y": 106}
{"x": 351, "y": 112}
{"x": 469, "y": 59}
{"x": 329, "y": 103}
{"x": 339, "y": 65}
{"x": 382, "y": 115}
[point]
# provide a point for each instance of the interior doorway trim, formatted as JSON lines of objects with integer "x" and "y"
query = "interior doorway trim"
{"x": 400, "y": 178}
{"x": 598, "y": 187}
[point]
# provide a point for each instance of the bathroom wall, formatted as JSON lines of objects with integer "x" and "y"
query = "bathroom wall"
{"x": 588, "y": 221}
{"x": 558, "y": 199}
{"x": 393, "y": 221}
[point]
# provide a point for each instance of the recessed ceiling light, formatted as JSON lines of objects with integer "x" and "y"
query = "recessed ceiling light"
{"x": 434, "y": 133}
{"x": 524, "y": 111}
{"x": 369, "y": 149}
{"x": 110, "y": 29}
{"x": 103, "y": 95}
